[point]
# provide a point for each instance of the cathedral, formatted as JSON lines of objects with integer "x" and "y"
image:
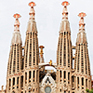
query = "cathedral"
{"x": 26, "y": 71}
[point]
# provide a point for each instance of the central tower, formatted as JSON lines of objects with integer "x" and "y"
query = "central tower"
{"x": 64, "y": 54}
{"x": 31, "y": 55}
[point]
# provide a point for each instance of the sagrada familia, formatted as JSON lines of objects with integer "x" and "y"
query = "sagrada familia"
{"x": 26, "y": 71}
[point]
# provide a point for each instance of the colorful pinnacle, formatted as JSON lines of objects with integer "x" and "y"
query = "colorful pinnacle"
{"x": 65, "y": 12}
{"x": 65, "y": 3}
{"x": 32, "y": 11}
{"x": 32, "y": 4}
{"x": 81, "y": 22}
{"x": 41, "y": 46}
{"x": 17, "y": 23}
{"x": 16, "y": 16}
{"x": 41, "y": 52}
{"x": 82, "y": 14}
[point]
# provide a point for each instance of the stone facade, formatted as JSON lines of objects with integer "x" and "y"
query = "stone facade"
{"x": 26, "y": 71}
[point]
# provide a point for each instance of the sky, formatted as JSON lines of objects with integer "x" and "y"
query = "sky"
{"x": 48, "y": 18}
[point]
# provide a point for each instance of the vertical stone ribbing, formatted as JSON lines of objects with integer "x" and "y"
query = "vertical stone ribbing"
{"x": 15, "y": 60}
{"x": 31, "y": 50}
{"x": 64, "y": 54}
{"x": 82, "y": 64}
{"x": 31, "y": 55}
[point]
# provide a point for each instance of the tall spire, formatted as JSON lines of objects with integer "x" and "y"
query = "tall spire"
{"x": 65, "y": 12}
{"x": 15, "y": 59}
{"x": 31, "y": 54}
{"x": 81, "y": 37}
{"x": 64, "y": 53}
{"x": 16, "y": 35}
{"x": 65, "y": 26}
{"x": 81, "y": 62}
{"x": 64, "y": 43}
{"x": 32, "y": 24}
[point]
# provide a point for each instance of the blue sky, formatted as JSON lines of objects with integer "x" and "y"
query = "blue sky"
{"x": 48, "y": 18}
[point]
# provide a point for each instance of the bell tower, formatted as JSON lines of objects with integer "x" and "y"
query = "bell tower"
{"x": 82, "y": 64}
{"x": 31, "y": 55}
{"x": 64, "y": 54}
{"x": 15, "y": 60}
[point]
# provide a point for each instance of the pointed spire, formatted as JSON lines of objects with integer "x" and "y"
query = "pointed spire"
{"x": 16, "y": 35}
{"x": 81, "y": 22}
{"x": 65, "y": 25}
{"x": 17, "y": 24}
{"x": 41, "y": 54}
{"x": 81, "y": 37}
{"x": 32, "y": 24}
{"x": 65, "y": 12}
{"x": 32, "y": 11}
